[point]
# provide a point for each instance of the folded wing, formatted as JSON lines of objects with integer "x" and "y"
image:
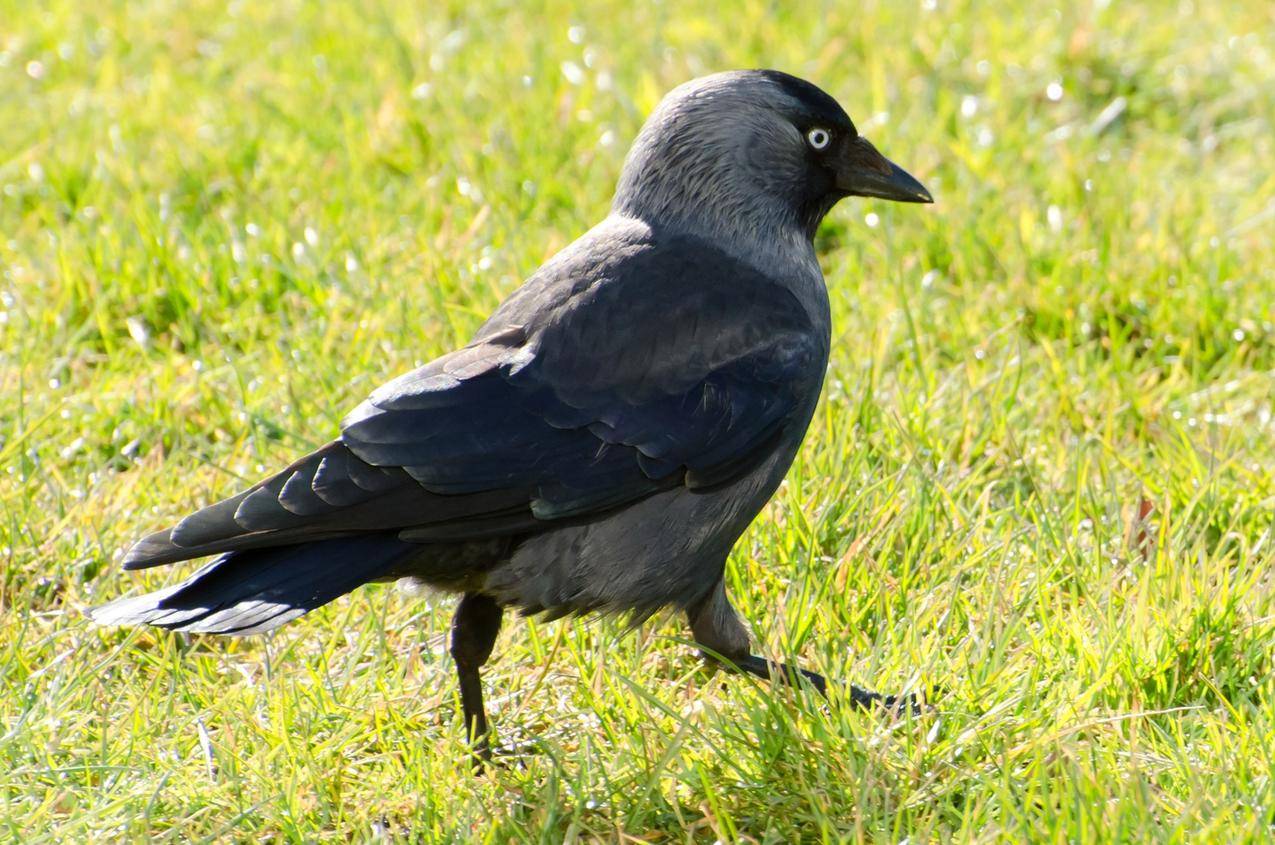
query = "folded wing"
{"x": 598, "y": 383}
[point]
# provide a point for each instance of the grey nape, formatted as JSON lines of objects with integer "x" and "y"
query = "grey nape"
{"x": 610, "y": 431}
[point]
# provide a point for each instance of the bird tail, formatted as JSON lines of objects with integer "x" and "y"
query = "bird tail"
{"x": 257, "y": 590}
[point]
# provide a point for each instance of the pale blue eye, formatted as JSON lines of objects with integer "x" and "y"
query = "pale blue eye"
{"x": 818, "y": 138}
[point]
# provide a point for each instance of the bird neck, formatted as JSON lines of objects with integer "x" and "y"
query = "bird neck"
{"x": 760, "y": 234}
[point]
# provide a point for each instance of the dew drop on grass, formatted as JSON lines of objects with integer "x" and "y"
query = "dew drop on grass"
{"x": 454, "y": 41}
{"x": 573, "y": 73}
{"x": 138, "y": 332}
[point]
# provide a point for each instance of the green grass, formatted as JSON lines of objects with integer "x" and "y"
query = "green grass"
{"x": 1042, "y": 479}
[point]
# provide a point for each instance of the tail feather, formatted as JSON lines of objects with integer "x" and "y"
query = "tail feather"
{"x": 253, "y": 591}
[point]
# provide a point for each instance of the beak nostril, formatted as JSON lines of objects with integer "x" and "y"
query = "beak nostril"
{"x": 864, "y": 155}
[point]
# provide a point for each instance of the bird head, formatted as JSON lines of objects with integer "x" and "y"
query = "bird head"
{"x": 752, "y": 153}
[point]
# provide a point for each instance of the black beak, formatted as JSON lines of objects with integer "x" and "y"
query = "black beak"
{"x": 864, "y": 172}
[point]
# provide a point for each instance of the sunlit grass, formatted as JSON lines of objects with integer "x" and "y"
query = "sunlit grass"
{"x": 1042, "y": 480}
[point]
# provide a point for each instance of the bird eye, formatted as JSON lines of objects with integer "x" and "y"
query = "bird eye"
{"x": 818, "y": 138}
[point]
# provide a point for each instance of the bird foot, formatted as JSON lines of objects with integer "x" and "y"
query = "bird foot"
{"x": 860, "y": 697}
{"x": 899, "y": 705}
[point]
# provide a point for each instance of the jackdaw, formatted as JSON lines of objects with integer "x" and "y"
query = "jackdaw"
{"x": 610, "y": 431}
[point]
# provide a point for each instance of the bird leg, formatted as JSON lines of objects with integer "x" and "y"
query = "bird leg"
{"x": 717, "y": 628}
{"x": 474, "y": 630}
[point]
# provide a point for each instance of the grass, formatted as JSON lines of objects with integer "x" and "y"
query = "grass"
{"x": 1042, "y": 478}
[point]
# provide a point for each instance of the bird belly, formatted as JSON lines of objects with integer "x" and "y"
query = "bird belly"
{"x": 667, "y": 549}
{"x": 452, "y": 567}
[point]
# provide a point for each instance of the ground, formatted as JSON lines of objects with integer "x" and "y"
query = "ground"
{"x": 1040, "y": 486}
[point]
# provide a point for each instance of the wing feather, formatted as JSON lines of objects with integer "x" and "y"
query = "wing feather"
{"x": 614, "y": 373}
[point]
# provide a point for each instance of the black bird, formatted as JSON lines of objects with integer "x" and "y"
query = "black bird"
{"x": 606, "y": 436}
